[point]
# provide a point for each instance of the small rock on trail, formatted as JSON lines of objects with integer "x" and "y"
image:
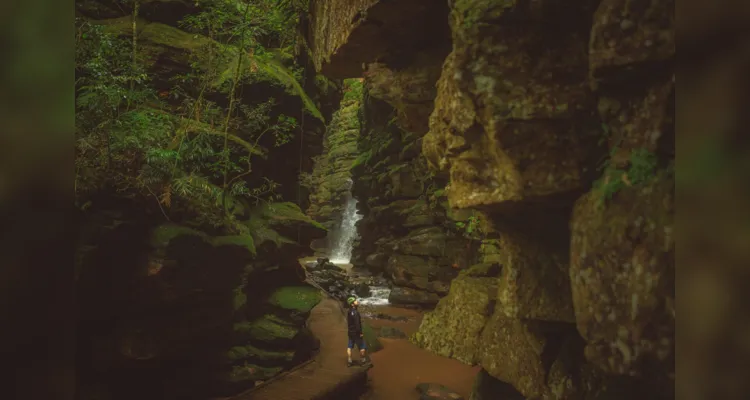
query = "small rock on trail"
{"x": 392, "y": 333}
{"x": 435, "y": 391}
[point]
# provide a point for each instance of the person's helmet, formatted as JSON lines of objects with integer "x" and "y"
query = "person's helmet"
{"x": 350, "y": 300}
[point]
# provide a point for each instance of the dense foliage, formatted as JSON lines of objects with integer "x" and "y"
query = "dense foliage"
{"x": 188, "y": 143}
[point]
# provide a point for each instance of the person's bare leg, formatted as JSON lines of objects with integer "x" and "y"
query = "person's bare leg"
{"x": 362, "y": 356}
{"x": 349, "y": 355}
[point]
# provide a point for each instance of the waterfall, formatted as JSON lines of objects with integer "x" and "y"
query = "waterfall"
{"x": 378, "y": 296}
{"x": 341, "y": 253}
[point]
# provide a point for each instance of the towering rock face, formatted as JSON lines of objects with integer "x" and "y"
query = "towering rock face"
{"x": 330, "y": 180}
{"x": 406, "y": 230}
{"x": 188, "y": 314}
{"x": 555, "y": 120}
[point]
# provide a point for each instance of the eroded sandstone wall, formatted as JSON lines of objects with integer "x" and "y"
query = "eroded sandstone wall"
{"x": 408, "y": 230}
{"x": 554, "y": 121}
{"x": 330, "y": 180}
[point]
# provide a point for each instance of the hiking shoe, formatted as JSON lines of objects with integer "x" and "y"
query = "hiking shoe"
{"x": 349, "y": 363}
{"x": 365, "y": 361}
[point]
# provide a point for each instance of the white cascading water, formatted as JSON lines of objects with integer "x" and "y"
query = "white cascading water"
{"x": 342, "y": 251}
{"x": 378, "y": 296}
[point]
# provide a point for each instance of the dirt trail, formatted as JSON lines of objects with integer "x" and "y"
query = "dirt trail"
{"x": 327, "y": 373}
{"x": 400, "y": 366}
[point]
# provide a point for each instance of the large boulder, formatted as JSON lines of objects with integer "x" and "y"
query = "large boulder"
{"x": 622, "y": 262}
{"x": 534, "y": 282}
{"x": 419, "y": 273}
{"x": 180, "y": 295}
{"x": 454, "y": 328}
{"x": 406, "y": 296}
{"x": 623, "y": 276}
{"x": 512, "y": 116}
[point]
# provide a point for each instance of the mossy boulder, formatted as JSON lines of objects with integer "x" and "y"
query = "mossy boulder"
{"x": 453, "y": 329}
{"x": 268, "y": 330}
{"x": 483, "y": 270}
{"x": 371, "y": 338}
{"x": 163, "y": 235}
{"x": 623, "y": 275}
{"x": 409, "y": 296}
{"x": 418, "y": 272}
{"x": 534, "y": 283}
{"x": 280, "y": 222}
{"x": 506, "y": 126}
{"x": 296, "y": 298}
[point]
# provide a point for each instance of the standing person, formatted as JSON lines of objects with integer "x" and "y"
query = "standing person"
{"x": 356, "y": 336}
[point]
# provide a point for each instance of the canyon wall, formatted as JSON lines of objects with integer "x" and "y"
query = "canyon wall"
{"x": 185, "y": 310}
{"x": 551, "y": 124}
{"x": 408, "y": 230}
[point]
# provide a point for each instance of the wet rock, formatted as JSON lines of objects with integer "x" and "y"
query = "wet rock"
{"x": 377, "y": 261}
{"x": 405, "y": 296}
{"x": 392, "y": 333}
{"x": 435, "y": 391}
{"x": 362, "y": 290}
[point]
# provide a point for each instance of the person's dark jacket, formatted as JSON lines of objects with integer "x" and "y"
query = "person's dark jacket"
{"x": 354, "y": 322}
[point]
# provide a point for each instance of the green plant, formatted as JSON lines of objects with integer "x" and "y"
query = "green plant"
{"x": 642, "y": 164}
{"x": 470, "y": 228}
{"x": 362, "y": 159}
{"x": 353, "y": 89}
{"x": 176, "y": 148}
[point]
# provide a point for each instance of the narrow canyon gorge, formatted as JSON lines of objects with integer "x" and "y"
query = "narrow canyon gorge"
{"x": 497, "y": 174}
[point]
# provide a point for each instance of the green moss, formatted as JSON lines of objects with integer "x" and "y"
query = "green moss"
{"x": 268, "y": 328}
{"x": 252, "y": 353}
{"x": 371, "y": 338}
{"x": 284, "y": 213}
{"x": 362, "y": 159}
{"x": 482, "y": 270}
{"x": 353, "y": 89}
{"x": 264, "y": 218}
{"x": 284, "y": 76}
{"x": 163, "y": 235}
{"x": 245, "y": 241}
{"x": 641, "y": 170}
{"x": 296, "y": 298}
